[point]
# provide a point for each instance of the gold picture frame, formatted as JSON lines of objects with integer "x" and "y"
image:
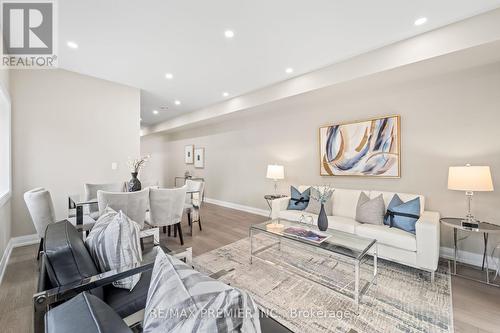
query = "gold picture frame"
{"x": 363, "y": 148}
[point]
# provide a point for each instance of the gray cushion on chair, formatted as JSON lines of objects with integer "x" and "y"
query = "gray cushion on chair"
{"x": 370, "y": 211}
{"x": 84, "y": 313}
{"x": 67, "y": 257}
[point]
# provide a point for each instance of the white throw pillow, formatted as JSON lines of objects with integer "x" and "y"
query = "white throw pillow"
{"x": 181, "y": 299}
{"x": 114, "y": 242}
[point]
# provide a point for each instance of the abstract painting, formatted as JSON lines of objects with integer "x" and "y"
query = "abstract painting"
{"x": 364, "y": 148}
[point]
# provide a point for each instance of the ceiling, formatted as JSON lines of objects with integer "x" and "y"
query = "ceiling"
{"x": 137, "y": 45}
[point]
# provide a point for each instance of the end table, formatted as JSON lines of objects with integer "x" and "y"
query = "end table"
{"x": 484, "y": 228}
{"x": 269, "y": 199}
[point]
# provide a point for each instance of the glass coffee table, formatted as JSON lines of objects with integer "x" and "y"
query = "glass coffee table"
{"x": 349, "y": 248}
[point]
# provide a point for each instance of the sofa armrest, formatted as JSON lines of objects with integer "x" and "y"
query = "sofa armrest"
{"x": 279, "y": 205}
{"x": 428, "y": 240}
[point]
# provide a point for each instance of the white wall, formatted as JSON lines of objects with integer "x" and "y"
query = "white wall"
{"x": 447, "y": 119}
{"x": 67, "y": 130}
{"x": 5, "y": 208}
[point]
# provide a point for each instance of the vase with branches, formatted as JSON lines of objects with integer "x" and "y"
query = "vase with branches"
{"x": 135, "y": 166}
{"x": 322, "y": 194}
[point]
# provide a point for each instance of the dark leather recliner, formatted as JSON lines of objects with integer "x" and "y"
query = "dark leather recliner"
{"x": 84, "y": 313}
{"x": 68, "y": 261}
{"x": 67, "y": 269}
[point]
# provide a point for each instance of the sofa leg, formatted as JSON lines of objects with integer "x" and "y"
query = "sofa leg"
{"x": 433, "y": 275}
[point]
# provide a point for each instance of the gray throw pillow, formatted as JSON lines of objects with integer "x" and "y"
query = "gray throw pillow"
{"x": 114, "y": 242}
{"x": 370, "y": 211}
{"x": 181, "y": 299}
{"x": 314, "y": 205}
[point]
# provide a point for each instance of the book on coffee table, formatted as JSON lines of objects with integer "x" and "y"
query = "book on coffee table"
{"x": 306, "y": 234}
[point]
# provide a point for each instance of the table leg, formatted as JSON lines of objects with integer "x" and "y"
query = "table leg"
{"x": 456, "y": 250}
{"x": 485, "y": 257}
{"x": 375, "y": 259}
{"x": 79, "y": 215}
{"x": 250, "y": 235}
{"x": 356, "y": 284}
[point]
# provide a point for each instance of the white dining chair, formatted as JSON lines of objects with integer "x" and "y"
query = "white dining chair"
{"x": 193, "y": 202}
{"x": 132, "y": 204}
{"x": 91, "y": 193}
{"x": 166, "y": 209}
{"x": 42, "y": 212}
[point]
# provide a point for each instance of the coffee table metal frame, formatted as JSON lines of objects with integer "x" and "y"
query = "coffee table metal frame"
{"x": 329, "y": 245}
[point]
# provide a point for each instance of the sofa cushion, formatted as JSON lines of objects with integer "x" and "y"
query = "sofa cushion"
{"x": 345, "y": 201}
{"x": 388, "y": 236}
{"x": 68, "y": 260}
{"x": 294, "y": 215}
{"x": 125, "y": 302}
{"x": 405, "y": 197}
{"x": 84, "y": 313}
{"x": 298, "y": 200}
{"x": 345, "y": 224}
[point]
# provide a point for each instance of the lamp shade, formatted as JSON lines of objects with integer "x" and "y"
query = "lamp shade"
{"x": 275, "y": 172}
{"x": 470, "y": 178}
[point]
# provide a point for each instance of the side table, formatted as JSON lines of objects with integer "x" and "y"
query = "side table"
{"x": 484, "y": 228}
{"x": 269, "y": 199}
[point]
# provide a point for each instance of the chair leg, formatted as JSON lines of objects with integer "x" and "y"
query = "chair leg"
{"x": 165, "y": 229}
{"x": 175, "y": 231}
{"x": 190, "y": 223}
{"x": 168, "y": 231}
{"x": 178, "y": 226}
{"x": 40, "y": 249}
{"x": 199, "y": 220}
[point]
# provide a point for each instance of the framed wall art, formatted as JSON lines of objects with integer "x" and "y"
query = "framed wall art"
{"x": 189, "y": 154}
{"x": 369, "y": 148}
{"x": 199, "y": 158}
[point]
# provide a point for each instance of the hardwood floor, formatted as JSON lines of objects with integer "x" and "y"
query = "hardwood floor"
{"x": 476, "y": 307}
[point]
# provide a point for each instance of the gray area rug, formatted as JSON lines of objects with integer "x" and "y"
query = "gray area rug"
{"x": 403, "y": 300}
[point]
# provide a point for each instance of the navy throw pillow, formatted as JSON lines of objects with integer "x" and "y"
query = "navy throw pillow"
{"x": 299, "y": 201}
{"x": 403, "y": 215}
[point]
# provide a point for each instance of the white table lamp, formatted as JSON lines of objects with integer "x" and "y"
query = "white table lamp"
{"x": 275, "y": 172}
{"x": 470, "y": 179}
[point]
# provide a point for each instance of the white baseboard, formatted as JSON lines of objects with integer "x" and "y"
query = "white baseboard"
{"x": 470, "y": 258}
{"x": 13, "y": 243}
{"x": 236, "y": 206}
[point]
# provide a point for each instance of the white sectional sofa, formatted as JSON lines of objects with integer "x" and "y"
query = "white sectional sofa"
{"x": 420, "y": 250}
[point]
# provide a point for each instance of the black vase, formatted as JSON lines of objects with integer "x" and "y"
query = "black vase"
{"x": 322, "y": 219}
{"x": 134, "y": 184}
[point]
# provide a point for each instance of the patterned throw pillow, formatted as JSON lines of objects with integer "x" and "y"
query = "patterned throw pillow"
{"x": 114, "y": 242}
{"x": 314, "y": 205}
{"x": 403, "y": 215}
{"x": 299, "y": 201}
{"x": 181, "y": 299}
{"x": 370, "y": 211}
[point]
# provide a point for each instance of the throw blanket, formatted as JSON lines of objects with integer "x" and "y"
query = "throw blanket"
{"x": 181, "y": 299}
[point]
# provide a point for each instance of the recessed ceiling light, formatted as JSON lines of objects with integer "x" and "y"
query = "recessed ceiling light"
{"x": 289, "y": 70}
{"x": 72, "y": 45}
{"x": 169, "y": 76}
{"x": 420, "y": 21}
{"x": 155, "y": 111}
{"x": 229, "y": 33}
{"x": 225, "y": 94}
{"x": 177, "y": 102}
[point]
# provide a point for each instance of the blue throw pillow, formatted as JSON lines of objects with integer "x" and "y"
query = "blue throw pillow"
{"x": 299, "y": 201}
{"x": 403, "y": 215}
